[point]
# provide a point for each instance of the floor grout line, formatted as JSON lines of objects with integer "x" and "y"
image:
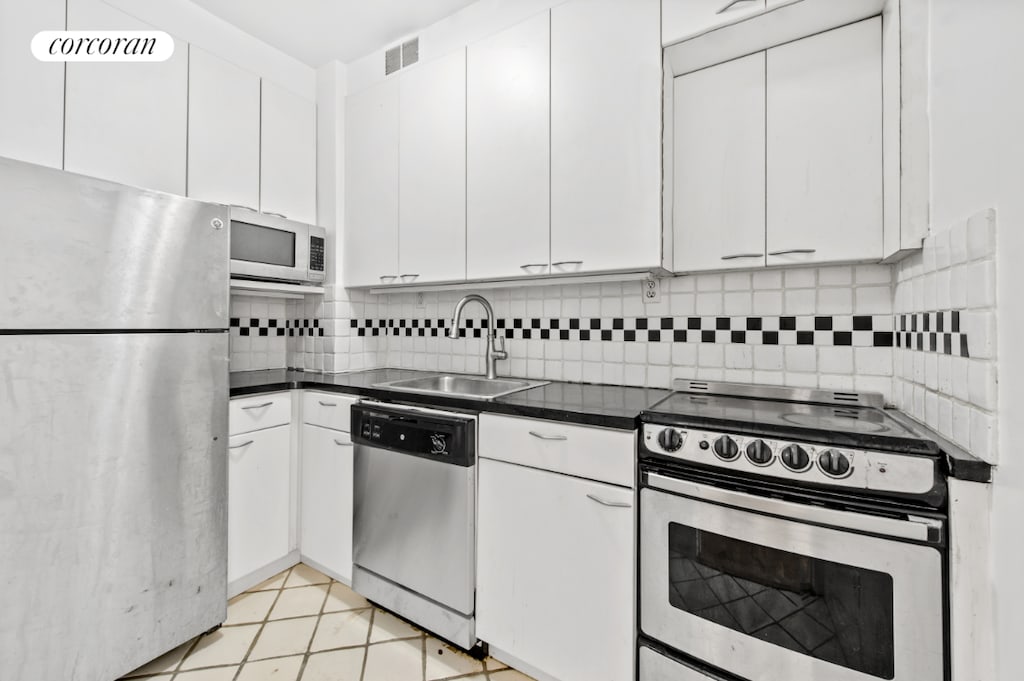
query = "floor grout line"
{"x": 262, "y": 625}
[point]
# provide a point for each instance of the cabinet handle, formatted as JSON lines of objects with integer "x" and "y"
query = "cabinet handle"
{"x": 729, "y": 6}
{"x": 387, "y": 278}
{"x": 793, "y": 250}
{"x": 239, "y": 446}
{"x": 257, "y": 406}
{"x": 238, "y": 205}
{"x": 327, "y": 404}
{"x": 342, "y": 443}
{"x": 408, "y": 277}
{"x": 542, "y": 436}
{"x": 605, "y": 502}
{"x": 567, "y": 262}
{"x": 276, "y": 215}
{"x": 528, "y": 266}
{"x": 736, "y": 256}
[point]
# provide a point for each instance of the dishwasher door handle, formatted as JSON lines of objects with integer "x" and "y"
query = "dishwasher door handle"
{"x": 613, "y": 504}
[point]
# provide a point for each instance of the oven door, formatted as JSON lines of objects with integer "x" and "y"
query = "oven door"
{"x": 774, "y": 591}
{"x": 268, "y": 247}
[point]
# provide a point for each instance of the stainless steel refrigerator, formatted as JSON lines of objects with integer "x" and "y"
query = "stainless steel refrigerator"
{"x": 113, "y": 423}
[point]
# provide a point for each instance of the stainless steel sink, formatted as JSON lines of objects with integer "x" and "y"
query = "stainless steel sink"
{"x": 454, "y": 385}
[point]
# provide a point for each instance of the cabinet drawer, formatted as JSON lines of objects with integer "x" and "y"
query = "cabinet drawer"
{"x": 328, "y": 410}
{"x": 583, "y": 451}
{"x": 259, "y": 411}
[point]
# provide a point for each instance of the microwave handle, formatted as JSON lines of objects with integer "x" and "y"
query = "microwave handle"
{"x": 914, "y": 528}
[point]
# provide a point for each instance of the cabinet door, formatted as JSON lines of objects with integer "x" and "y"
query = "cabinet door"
{"x": 326, "y": 499}
{"x": 687, "y": 18}
{"x": 508, "y": 152}
{"x": 432, "y": 171}
{"x": 371, "y": 186}
{"x": 287, "y": 154}
{"x": 718, "y": 160}
{"x": 258, "y": 499}
{"x": 825, "y": 147}
{"x": 555, "y": 572}
{"x": 32, "y": 104}
{"x": 126, "y": 122}
{"x": 606, "y": 84}
{"x": 223, "y": 131}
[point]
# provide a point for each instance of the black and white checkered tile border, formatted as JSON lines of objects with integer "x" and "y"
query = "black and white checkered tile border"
{"x": 932, "y": 332}
{"x": 850, "y": 330}
{"x": 249, "y": 326}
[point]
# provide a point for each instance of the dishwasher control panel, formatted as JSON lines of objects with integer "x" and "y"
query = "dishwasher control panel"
{"x": 447, "y": 438}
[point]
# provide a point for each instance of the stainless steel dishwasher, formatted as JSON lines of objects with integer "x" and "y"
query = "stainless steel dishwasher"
{"x": 414, "y": 546}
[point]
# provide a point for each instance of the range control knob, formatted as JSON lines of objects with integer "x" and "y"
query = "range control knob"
{"x": 726, "y": 448}
{"x": 795, "y": 458}
{"x": 834, "y": 463}
{"x": 670, "y": 440}
{"x": 759, "y": 453}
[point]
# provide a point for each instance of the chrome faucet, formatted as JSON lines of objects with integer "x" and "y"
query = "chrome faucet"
{"x": 495, "y": 349}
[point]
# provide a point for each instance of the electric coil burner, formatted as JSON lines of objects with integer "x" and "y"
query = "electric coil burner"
{"x": 789, "y": 534}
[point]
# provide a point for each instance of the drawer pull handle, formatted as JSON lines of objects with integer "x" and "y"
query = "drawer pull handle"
{"x": 342, "y": 443}
{"x": 613, "y": 504}
{"x": 793, "y": 250}
{"x": 258, "y": 406}
{"x": 239, "y": 446}
{"x": 736, "y": 256}
{"x": 542, "y": 436}
{"x": 729, "y": 6}
{"x": 327, "y": 404}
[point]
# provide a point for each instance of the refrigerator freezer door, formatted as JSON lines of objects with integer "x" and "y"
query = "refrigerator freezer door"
{"x": 80, "y": 253}
{"x": 113, "y": 499}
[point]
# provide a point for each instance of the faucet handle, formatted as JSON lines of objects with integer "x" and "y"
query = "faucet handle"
{"x": 498, "y": 346}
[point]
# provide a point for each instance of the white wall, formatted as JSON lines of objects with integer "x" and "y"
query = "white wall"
{"x": 330, "y": 161}
{"x": 466, "y": 26}
{"x": 191, "y": 23}
{"x": 977, "y": 109}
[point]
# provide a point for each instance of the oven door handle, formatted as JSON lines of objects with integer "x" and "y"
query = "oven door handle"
{"x": 929, "y": 530}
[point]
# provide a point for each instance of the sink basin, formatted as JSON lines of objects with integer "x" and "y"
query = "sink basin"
{"x": 452, "y": 385}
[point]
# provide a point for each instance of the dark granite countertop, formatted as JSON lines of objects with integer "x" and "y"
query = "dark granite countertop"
{"x": 608, "y": 406}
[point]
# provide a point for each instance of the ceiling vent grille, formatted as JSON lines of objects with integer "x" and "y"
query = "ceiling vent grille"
{"x": 392, "y": 60}
{"x": 410, "y": 52}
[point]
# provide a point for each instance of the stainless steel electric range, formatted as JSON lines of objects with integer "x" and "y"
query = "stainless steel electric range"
{"x": 789, "y": 534}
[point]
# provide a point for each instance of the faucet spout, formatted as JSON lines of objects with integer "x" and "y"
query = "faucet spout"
{"x": 494, "y": 353}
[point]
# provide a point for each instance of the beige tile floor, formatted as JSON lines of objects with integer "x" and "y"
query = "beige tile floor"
{"x": 302, "y": 625}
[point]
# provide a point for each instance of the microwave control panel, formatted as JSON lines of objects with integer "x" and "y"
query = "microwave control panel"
{"x": 316, "y": 254}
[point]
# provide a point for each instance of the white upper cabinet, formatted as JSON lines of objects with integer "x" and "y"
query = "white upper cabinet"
{"x": 718, "y": 166}
{"x": 371, "y": 186}
{"x": 432, "y": 171}
{"x": 824, "y": 159}
{"x": 32, "y": 104}
{"x": 287, "y": 154}
{"x": 686, "y": 18}
{"x": 606, "y": 86}
{"x": 508, "y": 152}
{"x": 223, "y": 131}
{"x": 126, "y": 122}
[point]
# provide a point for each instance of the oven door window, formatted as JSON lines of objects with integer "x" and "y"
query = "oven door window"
{"x": 255, "y": 243}
{"x": 829, "y": 611}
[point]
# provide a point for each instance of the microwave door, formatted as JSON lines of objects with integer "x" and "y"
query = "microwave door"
{"x": 268, "y": 250}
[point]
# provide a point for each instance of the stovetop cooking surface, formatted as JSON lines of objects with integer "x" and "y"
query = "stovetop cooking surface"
{"x": 837, "y": 424}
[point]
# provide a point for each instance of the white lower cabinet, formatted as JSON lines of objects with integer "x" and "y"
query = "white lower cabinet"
{"x": 259, "y": 496}
{"x": 325, "y": 506}
{"x": 555, "y": 572}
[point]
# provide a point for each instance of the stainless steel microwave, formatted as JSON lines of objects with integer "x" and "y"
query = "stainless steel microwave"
{"x": 265, "y": 246}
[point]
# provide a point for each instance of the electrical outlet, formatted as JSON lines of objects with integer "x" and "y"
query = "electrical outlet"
{"x": 651, "y": 290}
{"x": 419, "y": 300}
